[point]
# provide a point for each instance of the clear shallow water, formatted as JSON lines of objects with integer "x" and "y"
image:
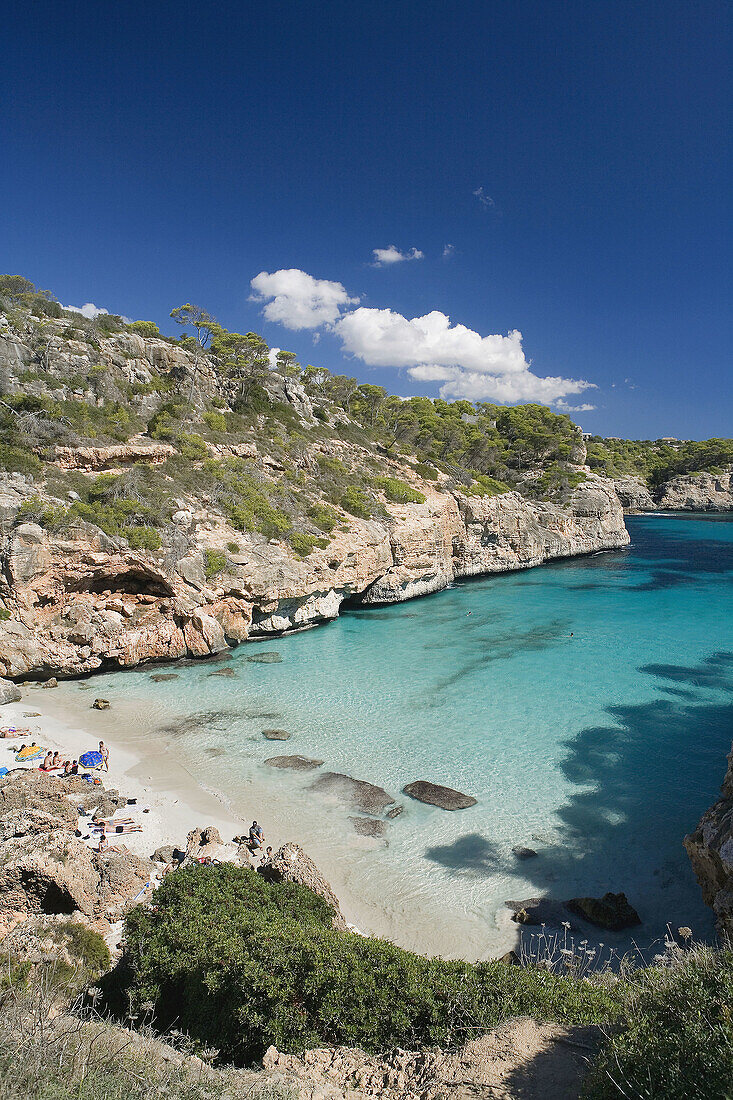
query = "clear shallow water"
{"x": 587, "y": 705}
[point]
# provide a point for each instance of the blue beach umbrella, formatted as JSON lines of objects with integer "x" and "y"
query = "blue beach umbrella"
{"x": 91, "y": 759}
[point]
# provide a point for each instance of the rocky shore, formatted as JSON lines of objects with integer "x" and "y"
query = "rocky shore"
{"x": 703, "y": 492}
{"x": 710, "y": 848}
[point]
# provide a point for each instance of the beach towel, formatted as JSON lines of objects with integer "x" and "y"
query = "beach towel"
{"x": 30, "y": 752}
{"x": 91, "y": 759}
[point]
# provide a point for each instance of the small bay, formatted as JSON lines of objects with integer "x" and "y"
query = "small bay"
{"x": 587, "y": 705}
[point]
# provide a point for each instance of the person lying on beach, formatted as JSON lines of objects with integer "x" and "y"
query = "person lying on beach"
{"x": 125, "y": 828}
{"x": 256, "y": 838}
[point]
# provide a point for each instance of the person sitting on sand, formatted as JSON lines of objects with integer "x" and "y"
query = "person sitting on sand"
{"x": 56, "y": 762}
{"x": 67, "y": 767}
{"x": 74, "y": 767}
{"x": 47, "y": 762}
{"x": 256, "y": 838}
{"x": 105, "y": 755}
{"x": 103, "y": 843}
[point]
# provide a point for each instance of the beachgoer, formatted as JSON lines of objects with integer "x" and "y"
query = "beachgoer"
{"x": 256, "y": 837}
{"x": 105, "y": 755}
{"x": 56, "y": 762}
{"x": 74, "y": 768}
{"x": 103, "y": 843}
{"x": 67, "y": 767}
{"x": 47, "y": 762}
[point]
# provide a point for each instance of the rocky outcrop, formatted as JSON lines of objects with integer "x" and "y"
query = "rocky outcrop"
{"x": 710, "y": 848}
{"x": 363, "y": 796}
{"x": 704, "y": 492}
{"x": 9, "y": 692}
{"x": 520, "y": 1058}
{"x": 634, "y": 494}
{"x": 45, "y": 868}
{"x": 436, "y": 795}
{"x": 291, "y": 864}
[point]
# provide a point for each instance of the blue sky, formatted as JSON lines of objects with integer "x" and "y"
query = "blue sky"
{"x": 563, "y": 169}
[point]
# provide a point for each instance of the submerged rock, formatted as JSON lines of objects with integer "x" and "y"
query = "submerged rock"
{"x": 538, "y": 911}
{"x": 436, "y": 795}
{"x": 523, "y": 853}
{"x": 268, "y": 658}
{"x": 369, "y": 826}
{"x": 101, "y": 704}
{"x": 291, "y": 864}
{"x": 161, "y": 677}
{"x": 276, "y": 735}
{"x": 226, "y": 671}
{"x": 612, "y": 911}
{"x": 364, "y": 796}
{"x": 294, "y": 763}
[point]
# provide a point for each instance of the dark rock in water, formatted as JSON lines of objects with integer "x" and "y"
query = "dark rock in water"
{"x": 269, "y": 658}
{"x": 101, "y": 704}
{"x": 354, "y": 792}
{"x": 435, "y": 795}
{"x": 538, "y": 911}
{"x": 226, "y": 671}
{"x": 612, "y": 911}
{"x": 510, "y": 959}
{"x": 395, "y": 812}
{"x": 276, "y": 735}
{"x": 83, "y": 687}
{"x": 214, "y": 752}
{"x": 369, "y": 826}
{"x": 161, "y": 677}
{"x": 523, "y": 853}
{"x": 294, "y": 763}
{"x": 264, "y": 715}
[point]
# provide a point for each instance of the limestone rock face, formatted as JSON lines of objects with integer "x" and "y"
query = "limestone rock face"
{"x": 634, "y": 494}
{"x": 698, "y": 492}
{"x": 291, "y": 864}
{"x": 710, "y": 848}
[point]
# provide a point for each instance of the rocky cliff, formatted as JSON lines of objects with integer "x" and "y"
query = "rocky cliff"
{"x": 710, "y": 849}
{"x": 83, "y": 600}
{"x": 701, "y": 492}
{"x": 145, "y": 516}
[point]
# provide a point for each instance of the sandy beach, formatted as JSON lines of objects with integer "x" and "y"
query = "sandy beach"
{"x": 146, "y": 766}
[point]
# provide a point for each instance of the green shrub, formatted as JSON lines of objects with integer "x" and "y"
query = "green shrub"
{"x": 233, "y": 547}
{"x": 18, "y": 460}
{"x": 356, "y": 502}
{"x": 144, "y": 328}
{"x": 214, "y": 562}
{"x": 51, "y": 516}
{"x": 191, "y": 446}
{"x": 216, "y": 421}
{"x": 142, "y": 538}
{"x": 303, "y": 544}
{"x": 323, "y": 517}
{"x": 4, "y": 614}
{"x": 487, "y": 487}
{"x": 423, "y": 469}
{"x": 241, "y": 963}
{"x": 398, "y": 491}
{"x": 676, "y": 1042}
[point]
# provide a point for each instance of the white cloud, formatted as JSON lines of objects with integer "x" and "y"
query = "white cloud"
{"x": 88, "y": 310}
{"x": 297, "y": 300}
{"x": 384, "y": 257}
{"x": 483, "y": 198}
{"x": 564, "y": 407}
{"x": 272, "y": 357}
{"x": 469, "y": 365}
{"x": 448, "y": 251}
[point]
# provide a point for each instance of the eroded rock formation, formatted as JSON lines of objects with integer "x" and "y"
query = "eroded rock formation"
{"x": 710, "y": 848}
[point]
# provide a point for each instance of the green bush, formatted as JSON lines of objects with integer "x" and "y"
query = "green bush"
{"x": 303, "y": 544}
{"x": 676, "y": 1042}
{"x": 191, "y": 446}
{"x": 487, "y": 487}
{"x": 241, "y": 963}
{"x": 422, "y": 469}
{"x": 323, "y": 517}
{"x": 356, "y": 502}
{"x": 217, "y": 422}
{"x": 233, "y": 547}
{"x": 398, "y": 491}
{"x": 214, "y": 562}
{"x": 144, "y": 328}
{"x": 18, "y": 460}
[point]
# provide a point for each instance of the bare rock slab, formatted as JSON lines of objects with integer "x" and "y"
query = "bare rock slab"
{"x": 363, "y": 796}
{"x": 294, "y": 763}
{"x": 436, "y": 795}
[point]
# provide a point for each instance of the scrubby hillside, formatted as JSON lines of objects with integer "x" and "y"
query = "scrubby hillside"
{"x": 162, "y": 497}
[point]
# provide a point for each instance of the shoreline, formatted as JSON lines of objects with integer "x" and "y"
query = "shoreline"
{"x": 147, "y": 767}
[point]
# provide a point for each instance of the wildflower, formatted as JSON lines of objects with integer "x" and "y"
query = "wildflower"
{"x": 685, "y": 933}
{"x": 566, "y": 924}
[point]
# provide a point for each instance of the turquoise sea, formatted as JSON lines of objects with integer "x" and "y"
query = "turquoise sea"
{"x": 586, "y": 704}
